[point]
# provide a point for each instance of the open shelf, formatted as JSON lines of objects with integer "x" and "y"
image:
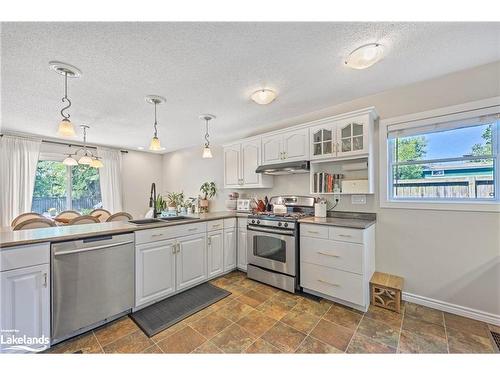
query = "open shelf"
{"x": 357, "y": 176}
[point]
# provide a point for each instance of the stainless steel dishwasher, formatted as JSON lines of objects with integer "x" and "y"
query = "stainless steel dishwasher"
{"x": 92, "y": 281}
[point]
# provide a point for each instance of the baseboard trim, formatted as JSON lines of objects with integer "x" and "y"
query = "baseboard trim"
{"x": 452, "y": 308}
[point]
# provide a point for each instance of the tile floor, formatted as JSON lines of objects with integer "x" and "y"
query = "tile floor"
{"x": 257, "y": 318}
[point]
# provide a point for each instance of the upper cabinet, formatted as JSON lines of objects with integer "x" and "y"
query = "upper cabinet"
{"x": 347, "y": 137}
{"x": 285, "y": 147}
{"x": 240, "y": 162}
{"x": 352, "y": 136}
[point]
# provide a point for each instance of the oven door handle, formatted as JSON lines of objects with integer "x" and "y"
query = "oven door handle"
{"x": 284, "y": 232}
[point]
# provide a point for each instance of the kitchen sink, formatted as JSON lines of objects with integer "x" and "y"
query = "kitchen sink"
{"x": 174, "y": 218}
{"x": 145, "y": 221}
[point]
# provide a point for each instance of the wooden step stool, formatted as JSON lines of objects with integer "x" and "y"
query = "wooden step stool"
{"x": 386, "y": 291}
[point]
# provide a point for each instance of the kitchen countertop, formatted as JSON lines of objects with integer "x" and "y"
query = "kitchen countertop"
{"x": 8, "y": 237}
{"x": 343, "y": 219}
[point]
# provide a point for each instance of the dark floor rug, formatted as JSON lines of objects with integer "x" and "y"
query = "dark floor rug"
{"x": 166, "y": 313}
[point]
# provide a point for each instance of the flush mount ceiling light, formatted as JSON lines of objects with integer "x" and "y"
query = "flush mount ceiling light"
{"x": 207, "y": 153}
{"x": 263, "y": 96}
{"x": 66, "y": 128}
{"x": 155, "y": 141}
{"x": 364, "y": 56}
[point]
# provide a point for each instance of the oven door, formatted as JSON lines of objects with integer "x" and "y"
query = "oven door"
{"x": 273, "y": 249}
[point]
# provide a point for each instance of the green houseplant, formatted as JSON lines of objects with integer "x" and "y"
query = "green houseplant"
{"x": 209, "y": 190}
{"x": 174, "y": 200}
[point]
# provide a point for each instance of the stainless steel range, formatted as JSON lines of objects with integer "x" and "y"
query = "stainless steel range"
{"x": 273, "y": 242}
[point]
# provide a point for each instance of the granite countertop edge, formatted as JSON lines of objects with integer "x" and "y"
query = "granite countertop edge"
{"x": 339, "y": 222}
{"x": 65, "y": 233}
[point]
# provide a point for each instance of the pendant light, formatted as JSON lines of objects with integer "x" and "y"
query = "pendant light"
{"x": 86, "y": 159}
{"x": 155, "y": 141}
{"x": 70, "y": 161}
{"x": 66, "y": 128}
{"x": 207, "y": 152}
{"x": 96, "y": 163}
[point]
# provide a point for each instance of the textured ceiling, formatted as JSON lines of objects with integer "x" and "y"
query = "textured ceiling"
{"x": 213, "y": 68}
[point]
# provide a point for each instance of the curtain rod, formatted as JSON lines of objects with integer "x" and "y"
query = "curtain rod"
{"x": 72, "y": 144}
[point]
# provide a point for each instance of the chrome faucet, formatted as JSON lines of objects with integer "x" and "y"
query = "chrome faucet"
{"x": 152, "y": 199}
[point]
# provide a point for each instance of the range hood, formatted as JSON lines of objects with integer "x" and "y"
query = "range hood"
{"x": 293, "y": 167}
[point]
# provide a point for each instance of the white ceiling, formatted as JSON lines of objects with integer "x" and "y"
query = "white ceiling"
{"x": 213, "y": 68}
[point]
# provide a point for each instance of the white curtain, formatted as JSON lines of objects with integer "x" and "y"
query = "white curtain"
{"x": 18, "y": 160}
{"x": 110, "y": 179}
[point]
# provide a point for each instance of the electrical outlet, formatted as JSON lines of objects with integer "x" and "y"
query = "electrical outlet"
{"x": 358, "y": 199}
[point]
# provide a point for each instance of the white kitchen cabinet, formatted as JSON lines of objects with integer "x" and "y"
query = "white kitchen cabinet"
{"x": 285, "y": 147}
{"x": 240, "y": 162}
{"x": 296, "y": 145}
{"x": 25, "y": 304}
{"x": 215, "y": 253}
{"x": 348, "y": 136}
{"x": 232, "y": 166}
{"x": 353, "y": 136}
{"x": 272, "y": 149}
{"x": 242, "y": 246}
{"x": 337, "y": 263}
{"x": 323, "y": 141}
{"x": 230, "y": 243}
{"x": 191, "y": 261}
{"x": 154, "y": 271}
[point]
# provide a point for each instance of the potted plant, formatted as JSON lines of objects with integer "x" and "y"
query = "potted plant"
{"x": 160, "y": 204}
{"x": 209, "y": 190}
{"x": 174, "y": 201}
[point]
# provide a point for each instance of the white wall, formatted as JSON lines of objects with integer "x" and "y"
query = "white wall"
{"x": 449, "y": 256}
{"x": 139, "y": 170}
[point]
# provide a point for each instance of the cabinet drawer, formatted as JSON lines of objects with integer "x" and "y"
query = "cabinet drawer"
{"x": 150, "y": 235}
{"x": 215, "y": 225}
{"x": 24, "y": 256}
{"x": 317, "y": 231}
{"x": 230, "y": 223}
{"x": 346, "y": 234}
{"x": 342, "y": 255}
{"x": 332, "y": 282}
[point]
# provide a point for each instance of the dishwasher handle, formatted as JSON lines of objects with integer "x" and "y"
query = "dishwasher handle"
{"x": 85, "y": 249}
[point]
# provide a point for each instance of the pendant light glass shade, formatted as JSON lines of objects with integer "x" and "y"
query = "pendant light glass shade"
{"x": 96, "y": 163}
{"x": 66, "y": 128}
{"x": 85, "y": 159}
{"x": 207, "y": 153}
{"x": 155, "y": 144}
{"x": 70, "y": 161}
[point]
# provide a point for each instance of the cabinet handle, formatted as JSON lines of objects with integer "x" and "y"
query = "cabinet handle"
{"x": 157, "y": 235}
{"x": 329, "y": 255}
{"x": 345, "y": 235}
{"x": 192, "y": 229}
{"x": 209, "y": 241}
{"x": 312, "y": 232}
{"x": 174, "y": 248}
{"x": 178, "y": 247}
{"x": 45, "y": 280}
{"x": 326, "y": 282}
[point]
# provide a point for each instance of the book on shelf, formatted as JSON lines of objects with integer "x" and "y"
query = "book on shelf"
{"x": 323, "y": 182}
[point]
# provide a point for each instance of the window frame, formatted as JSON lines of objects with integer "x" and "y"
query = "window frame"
{"x": 453, "y": 113}
{"x": 47, "y": 156}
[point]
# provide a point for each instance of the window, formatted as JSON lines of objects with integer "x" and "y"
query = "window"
{"x": 59, "y": 187}
{"x": 444, "y": 161}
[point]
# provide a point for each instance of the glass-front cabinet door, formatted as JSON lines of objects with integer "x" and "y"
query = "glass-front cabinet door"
{"x": 352, "y": 136}
{"x": 322, "y": 141}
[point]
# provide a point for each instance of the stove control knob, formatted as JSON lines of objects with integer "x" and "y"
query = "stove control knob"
{"x": 286, "y": 224}
{"x": 258, "y": 221}
{"x": 253, "y": 221}
{"x": 279, "y": 224}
